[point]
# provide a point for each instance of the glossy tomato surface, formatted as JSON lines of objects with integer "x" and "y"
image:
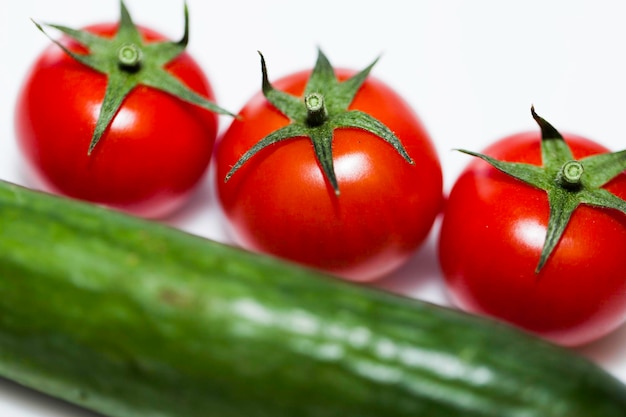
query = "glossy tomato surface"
{"x": 491, "y": 238}
{"x": 151, "y": 157}
{"x": 280, "y": 202}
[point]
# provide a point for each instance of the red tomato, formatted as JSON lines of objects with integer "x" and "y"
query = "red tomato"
{"x": 280, "y": 202}
{"x": 153, "y": 154}
{"x": 492, "y": 235}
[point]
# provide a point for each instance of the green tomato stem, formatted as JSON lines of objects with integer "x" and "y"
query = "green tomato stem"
{"x": 316, "y": 109}
{"x": 128, "y": 62}
{"x": 130, "y": 56}
{"x": 326, "y": 108}
{"x": 570, "y": 174}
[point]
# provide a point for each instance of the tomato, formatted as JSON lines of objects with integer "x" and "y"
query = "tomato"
{"x": 150, "y": 158}
{"x": 491, "y": 238}
{"x": 281, "y": 202}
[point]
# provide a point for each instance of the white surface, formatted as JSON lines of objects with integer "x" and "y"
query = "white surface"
{"x": 470, "y": 69}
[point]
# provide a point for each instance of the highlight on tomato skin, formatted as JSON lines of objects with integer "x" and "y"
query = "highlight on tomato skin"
{"x": 359, "y": 215}
{"x": 495, "y": 229}
{"x": 134, "y": 137}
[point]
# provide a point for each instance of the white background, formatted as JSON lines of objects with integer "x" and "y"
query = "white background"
{"x": 471, "y": 69}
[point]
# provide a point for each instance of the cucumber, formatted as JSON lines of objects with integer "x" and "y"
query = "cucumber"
{"x": 132, "y": 318}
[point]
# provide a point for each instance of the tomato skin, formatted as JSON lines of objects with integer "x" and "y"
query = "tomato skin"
{"x": 280, "y": 203}
{"x": 149, "y": 161}
{"x": 490, "y": 241}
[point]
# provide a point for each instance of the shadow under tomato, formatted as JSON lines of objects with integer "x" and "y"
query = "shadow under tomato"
{"x": 420, "y": 277}
{"x": 202, "y": 215}
{"x": 608, "y": 352}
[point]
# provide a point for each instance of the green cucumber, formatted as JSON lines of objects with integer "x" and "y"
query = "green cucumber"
{"x": 132, "y": 318}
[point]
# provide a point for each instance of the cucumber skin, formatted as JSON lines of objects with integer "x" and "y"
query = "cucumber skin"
{"x": 132, "y": 318}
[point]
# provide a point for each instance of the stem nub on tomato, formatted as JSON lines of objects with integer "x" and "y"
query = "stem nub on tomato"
{"x": 323, "y": 109}
{"x": 567, "y": 182}
{"x": 129, "y": 62}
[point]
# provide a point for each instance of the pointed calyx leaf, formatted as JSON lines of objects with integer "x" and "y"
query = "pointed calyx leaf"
{"x": 128, "y": 62}
{"x": 322, "y": 109}
{"x": 567, "y": 182}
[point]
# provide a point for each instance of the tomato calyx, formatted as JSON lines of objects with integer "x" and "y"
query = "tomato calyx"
{"x": 568, "y": 182}
{"x": 129, "y": 62}
{"x": 323, "y": 108}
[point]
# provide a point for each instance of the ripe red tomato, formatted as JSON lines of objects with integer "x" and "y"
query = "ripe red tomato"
{"x": 491, "y": 237}
{"x": 281, "y": 203}
{"x": 150, "y": 158}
